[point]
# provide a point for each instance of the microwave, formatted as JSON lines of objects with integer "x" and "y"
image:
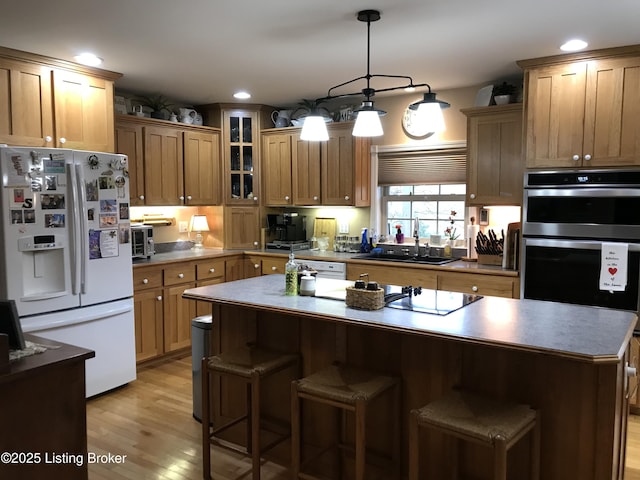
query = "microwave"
{"x": 142, "y": 241}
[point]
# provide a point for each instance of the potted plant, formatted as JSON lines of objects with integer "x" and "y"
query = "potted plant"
{"x": 157, "y": 103}
{"x": 503, "y": 93}
{"x": 305, "y": 107}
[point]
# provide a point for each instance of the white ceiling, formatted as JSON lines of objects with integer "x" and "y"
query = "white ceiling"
{"x": 201, "y": 51}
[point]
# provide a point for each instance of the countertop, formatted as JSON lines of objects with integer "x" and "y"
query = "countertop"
{"x": 328, "y": 256}
{"x": 588, "y": 334}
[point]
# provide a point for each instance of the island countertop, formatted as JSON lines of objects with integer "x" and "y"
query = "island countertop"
{"x": 582, "y": 333}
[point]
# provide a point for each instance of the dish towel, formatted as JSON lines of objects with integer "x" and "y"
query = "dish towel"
{"x": 613, "y": 270}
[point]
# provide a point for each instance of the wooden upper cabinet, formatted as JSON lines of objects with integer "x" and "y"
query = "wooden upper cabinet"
{"x": 26, "y": 113}
{"x": 305, "y": 169}
{"x": 582, "y": 109}
{"x": 83, "y": 111}
{"x": 202, "y": 168}
{"x": 45, "y": 102}
{"x": 495, "y": 163}
{"x": 163, "y": 172}
{"x": 129, "y": 141}
{"x": 241, "y": 228}
{"x": 277, "y": 169}
{"x": 346, "y": 168}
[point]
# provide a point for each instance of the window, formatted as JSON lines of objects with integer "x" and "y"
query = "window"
{"x": 431, "y": 204}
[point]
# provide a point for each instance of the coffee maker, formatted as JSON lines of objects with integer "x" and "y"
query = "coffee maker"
{"x": 289, "y": 231}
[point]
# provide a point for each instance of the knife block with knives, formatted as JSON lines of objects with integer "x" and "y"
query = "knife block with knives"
{"x": 490, "y": 248}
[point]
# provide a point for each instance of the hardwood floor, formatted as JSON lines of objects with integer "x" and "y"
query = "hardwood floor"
{"x": 150, "y": 421}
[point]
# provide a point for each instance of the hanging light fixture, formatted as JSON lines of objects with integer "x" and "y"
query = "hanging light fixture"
{"x": 367, "y": 116}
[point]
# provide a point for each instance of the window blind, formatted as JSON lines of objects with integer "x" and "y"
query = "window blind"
{"x": 415, "y": 167}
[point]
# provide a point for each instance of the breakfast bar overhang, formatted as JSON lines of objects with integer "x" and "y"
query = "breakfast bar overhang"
{"x": 569, "y": 362}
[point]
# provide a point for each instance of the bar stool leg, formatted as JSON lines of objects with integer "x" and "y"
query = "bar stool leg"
{"x": 255, "y": 426}
{"x": 500, "y": 458}
{"x": 206, "y": 445}
{"x": 249, "y": 410}
{"x": 360, "y": 438}
{"x": 535, "y": 449}
{"x": 296, "y": 414}
{"x": 414, "y": 447}
{"x": 396, "y": 452}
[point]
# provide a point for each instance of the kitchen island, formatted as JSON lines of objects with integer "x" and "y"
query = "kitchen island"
{"x": 566, "y": 361}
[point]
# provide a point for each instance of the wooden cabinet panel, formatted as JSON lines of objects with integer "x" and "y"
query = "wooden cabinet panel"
{"x": 178, "y": 313}
{"x": 163, "y": 175}
{"x": 241, "y": 227}
{"x": 129, "y": 141}
{"x": 176, "y": 274}
{"x": 83, "y": 109}
{"x": 210, "y": 269}
{"x": 202, "y": 168}
{"x": 583, "y": 113}
{"x": 306, "y": 174}
{"x": 277, "y": 170}
{"x": 493, "y": 285}
{"x": 390, "y": 275}
{"x": 252, "y": 267}
{"x": 273, "y": 265}
{"x": 26, "y": 113}
{"x": 495, "y": 164}
{"x": 148, "y": 311}
{"x": 338, "y": 168}
{"x": 234, "y": 269}
{"x": 634, "y": 361}
{"x": 149, "y": 277}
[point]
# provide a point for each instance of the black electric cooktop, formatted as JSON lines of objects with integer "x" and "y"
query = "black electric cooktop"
{"x": 417, "y": 299}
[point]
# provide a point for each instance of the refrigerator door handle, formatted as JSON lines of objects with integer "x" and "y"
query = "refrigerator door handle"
{"x": 80, "y": 213}
{"x": 74, "y": 232}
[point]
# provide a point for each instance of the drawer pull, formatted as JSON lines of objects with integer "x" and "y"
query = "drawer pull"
{"x": 145, "y": 281}
{"x": 181, "y": 275}
{"x": 274, "y": 268}
{"x": 212, "y": 270}
{"x": 256, "y": 265}
{"x": 159, "y": 297}
{"x": 474, "y": 288}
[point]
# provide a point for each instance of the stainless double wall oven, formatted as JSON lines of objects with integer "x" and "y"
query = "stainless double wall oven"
{"x": 567, "y": 216}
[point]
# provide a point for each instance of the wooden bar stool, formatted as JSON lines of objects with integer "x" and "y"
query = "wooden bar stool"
{"x": 351, "y": 390}
{"x": 475, "y": 418}
{"x": 253, "y": 365}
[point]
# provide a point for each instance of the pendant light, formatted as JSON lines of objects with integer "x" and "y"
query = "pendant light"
{"x": 367, "y": 116}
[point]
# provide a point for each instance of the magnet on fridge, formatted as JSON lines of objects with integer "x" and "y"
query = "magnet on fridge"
{"x": 93, "y": 161}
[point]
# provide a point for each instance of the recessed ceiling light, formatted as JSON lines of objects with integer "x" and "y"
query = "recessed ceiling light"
{"x": 88, "y": 59}
{"x": 573, "y": 45}
{"x": 242, "y": 95}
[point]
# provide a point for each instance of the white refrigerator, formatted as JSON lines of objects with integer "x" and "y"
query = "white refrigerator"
{"x": 66, "y": 254}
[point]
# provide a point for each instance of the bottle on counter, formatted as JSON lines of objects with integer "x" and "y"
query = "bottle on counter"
{"x": 291, "y": 276}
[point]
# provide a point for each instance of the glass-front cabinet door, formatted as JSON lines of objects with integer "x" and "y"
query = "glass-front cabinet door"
{"x": 241, "y": 132}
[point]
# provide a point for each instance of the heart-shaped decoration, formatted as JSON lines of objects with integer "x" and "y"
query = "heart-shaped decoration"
{"x": 612, "y": 270}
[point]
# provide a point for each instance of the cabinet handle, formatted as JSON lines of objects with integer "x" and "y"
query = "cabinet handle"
{"x": 63, "y": 140}
{"x": 286, "y": 197}
{"x": 472, "y": 196}
{"x": 181, "y": 197}
{"x": 575, "y": 158}
{"x": 273, "y": 269}
{"x": 188, "y": 197}
{"x": 212, "y": 270}
{"x": 346, "y": 197}
{"x": 181, "y": 275}
{"x": 141, "y": 197}
{"x": 255, "y": 244}
{"x": 145, "y": 281}
{"x": 474, "y": 288}
{"x": 48, "y": 138}
{"x": 315, "y": 197}
{"x": 255, "y": 199}
{"x": 159, "y": 297}
{"x": 256, "y": 265}
{"x": 587, "y": 157}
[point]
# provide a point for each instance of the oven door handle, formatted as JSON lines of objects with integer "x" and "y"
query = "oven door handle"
{"x": 575, "y": 244}
{"x": 581, "y": 192}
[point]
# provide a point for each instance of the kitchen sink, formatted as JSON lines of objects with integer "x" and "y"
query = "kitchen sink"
{"x": 393, "y": 257}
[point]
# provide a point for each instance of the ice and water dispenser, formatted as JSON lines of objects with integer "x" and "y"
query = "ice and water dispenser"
{"x": 43, "y": 265}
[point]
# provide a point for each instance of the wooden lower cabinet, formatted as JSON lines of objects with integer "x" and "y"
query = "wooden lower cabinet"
{"x": 492, "y": 285}
{"x": 162, "y": 316}
{"x": 273, "y": 265}
{"x": 634, "y": 382}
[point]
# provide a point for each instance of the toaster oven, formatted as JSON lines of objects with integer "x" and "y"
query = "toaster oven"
{"x": 142, "y": 241}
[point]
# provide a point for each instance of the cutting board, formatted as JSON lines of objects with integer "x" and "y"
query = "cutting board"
{"x": 325, "y": 227}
